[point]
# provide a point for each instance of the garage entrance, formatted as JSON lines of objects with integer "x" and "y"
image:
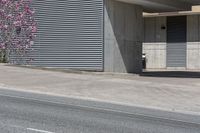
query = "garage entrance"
{"x": 176, "y": 41}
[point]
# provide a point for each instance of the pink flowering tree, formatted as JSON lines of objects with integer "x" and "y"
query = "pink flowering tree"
{"x": 17, "y": 30}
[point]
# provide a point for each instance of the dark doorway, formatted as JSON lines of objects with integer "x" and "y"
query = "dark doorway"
{"x": 176, "y": 41}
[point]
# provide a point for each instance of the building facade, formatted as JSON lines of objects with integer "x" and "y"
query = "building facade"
{"x": 97, "y": 35}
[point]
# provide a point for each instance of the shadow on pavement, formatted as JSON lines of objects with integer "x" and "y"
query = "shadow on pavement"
{"x": 174, "y": 74}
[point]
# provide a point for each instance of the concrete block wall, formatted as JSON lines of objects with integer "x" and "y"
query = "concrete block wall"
{"x": 193, "y": 55}
{"x": 155, "y": 55}
{"x": 193, "y": 42}
{"x": 123, "y": 35}
{"x": 154, "y": 45}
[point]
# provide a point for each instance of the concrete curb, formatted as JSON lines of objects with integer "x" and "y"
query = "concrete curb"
{"x": 74, "y": 71}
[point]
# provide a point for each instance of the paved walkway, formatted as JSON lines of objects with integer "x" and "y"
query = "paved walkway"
{"x": 168, "y": 93}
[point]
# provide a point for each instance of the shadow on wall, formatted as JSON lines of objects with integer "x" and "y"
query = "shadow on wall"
{"x": 172, "y": 74}
{"x": 125, "y": 22}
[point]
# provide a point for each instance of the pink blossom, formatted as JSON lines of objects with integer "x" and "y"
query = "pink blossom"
{"x": 2, "y": 46}
{"x": 17, "y": 25}
{"x": 5, "y": 27}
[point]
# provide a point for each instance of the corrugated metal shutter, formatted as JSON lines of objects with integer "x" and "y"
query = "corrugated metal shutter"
{"x": 70, "y": 34}
{"x": 176, "y": 54}
{"x": 176, "y": 41}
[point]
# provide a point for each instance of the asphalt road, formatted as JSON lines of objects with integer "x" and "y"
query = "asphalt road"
{"x": 31, "y": 115}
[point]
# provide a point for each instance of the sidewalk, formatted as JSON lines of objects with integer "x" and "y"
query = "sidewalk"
{"x": 172, "y": 94}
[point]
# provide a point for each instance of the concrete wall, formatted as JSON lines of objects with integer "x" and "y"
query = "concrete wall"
{"x": 123, "y": 37}
{"x": 154, "y": 45}
{"x": 193, "y": 44}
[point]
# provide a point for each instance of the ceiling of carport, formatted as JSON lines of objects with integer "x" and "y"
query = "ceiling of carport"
{"x": 164, "y": 5}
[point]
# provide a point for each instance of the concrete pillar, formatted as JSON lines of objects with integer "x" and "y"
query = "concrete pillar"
{"x": 123, "y": 32}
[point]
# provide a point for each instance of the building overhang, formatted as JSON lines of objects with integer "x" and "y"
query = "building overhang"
{"x": 195, "y": 11}
{"x": 164, "y": 5}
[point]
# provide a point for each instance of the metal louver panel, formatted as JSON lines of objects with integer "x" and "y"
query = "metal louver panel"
{"x": 70, "y": 34}
{"x": 176, "y": 54}
{"x": 176, "y": 41}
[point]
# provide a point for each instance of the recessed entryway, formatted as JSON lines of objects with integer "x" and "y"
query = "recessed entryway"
{"x": 176, "y": 42}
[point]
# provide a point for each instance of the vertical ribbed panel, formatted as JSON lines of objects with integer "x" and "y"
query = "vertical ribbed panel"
{"x": 70, "y": 34}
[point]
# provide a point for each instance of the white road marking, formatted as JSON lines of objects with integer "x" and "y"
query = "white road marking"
{"x": 20, "y": 127}
{"x": 37, "y": 130}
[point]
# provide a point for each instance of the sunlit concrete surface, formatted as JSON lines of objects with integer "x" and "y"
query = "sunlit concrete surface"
{"x": 174, "y": 92}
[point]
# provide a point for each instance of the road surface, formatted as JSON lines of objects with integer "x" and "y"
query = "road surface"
{"x": 31, "y": 115}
